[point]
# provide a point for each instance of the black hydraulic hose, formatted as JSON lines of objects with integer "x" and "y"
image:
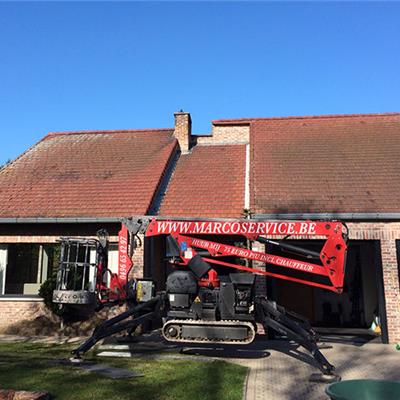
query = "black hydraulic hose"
{"x": 289, "y": 247}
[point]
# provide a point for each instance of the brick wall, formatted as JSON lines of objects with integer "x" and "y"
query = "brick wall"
{"x": 391, "y": 288}
{"x": 138, "y": 259}
{"x": 261, "y": 280}
{"x": 386, "y": 233}
{"x": 183, "y": 129}
{"x": 12, "y": 312}
{"x": 15, "y": 311}
{"x": 226, "y": 134}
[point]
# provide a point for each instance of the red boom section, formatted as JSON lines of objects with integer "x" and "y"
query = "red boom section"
{"x": 332, "y": 255}
{"x": 250, "y": 229}
{"x": 124, "y": 261}
{"x": 118, "y": 281}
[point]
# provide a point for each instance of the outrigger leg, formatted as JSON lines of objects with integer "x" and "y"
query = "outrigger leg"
{"x": 298, "y": 329}
{"x": 150, "y": 310}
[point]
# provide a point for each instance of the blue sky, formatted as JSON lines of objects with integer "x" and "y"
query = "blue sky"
{"x": 78, "y": 66}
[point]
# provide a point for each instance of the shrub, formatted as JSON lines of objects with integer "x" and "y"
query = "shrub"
{"x": 46, "y": 291}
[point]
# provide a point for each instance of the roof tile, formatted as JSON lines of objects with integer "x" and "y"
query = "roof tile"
{"x": 86, "y": 174}
{"x": 209, "y": 182}
{"x": 326, "y": 164}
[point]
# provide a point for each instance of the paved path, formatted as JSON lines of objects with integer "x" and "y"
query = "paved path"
{"x": 278, "y": 370}
{"x": 284, "y": 373}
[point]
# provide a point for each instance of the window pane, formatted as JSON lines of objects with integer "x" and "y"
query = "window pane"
{"x": 22, "y": 267}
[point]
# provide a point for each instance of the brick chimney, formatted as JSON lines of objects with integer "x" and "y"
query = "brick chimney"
{"x": 183, "y": 130}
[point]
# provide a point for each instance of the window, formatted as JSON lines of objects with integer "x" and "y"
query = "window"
{"x": 24, "y": 267}
{"x": 3, "y": 264}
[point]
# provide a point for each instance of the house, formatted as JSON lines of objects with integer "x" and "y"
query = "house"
{"x": 321, "y": 167}
{"x": 72, "y": 184}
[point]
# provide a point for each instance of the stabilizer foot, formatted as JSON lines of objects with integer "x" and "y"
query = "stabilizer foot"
{"x": 298, "y": 330}
{"x": 75, "y": 360}
{"x": 324, "y": 378}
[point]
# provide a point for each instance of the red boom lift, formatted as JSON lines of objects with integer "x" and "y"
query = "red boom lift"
{"x": 209, "y": 296}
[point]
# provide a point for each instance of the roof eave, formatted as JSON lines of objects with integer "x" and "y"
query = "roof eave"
{"x": 58, "y": 220}
{"x": 326, "y": 216}
{"x": 231, "y": 122}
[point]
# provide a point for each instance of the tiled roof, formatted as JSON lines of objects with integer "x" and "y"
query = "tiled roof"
{"x": 238, "y": 121}
{"x": 348, "y": 163}
{"x": 87, "y": 174}
{"x": 209, "y": 182}
{"x": 317, "y": 164}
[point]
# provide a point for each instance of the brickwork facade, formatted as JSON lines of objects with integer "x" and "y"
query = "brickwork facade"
{"x": 183, "y": 129}
{"x": 138, "y": 259}
{"x": 231, "y": 134}
{"x": 261, "y": 281}
{"x": 387, "y": 233}
{"x": 13, "y": 312}
{"x": 239, "y": 133}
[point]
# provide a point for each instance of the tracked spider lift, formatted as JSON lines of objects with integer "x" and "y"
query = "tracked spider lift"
{"x": 210, "y": 295}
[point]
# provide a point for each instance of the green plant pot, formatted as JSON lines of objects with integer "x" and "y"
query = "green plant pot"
{"x": 364, "y": 389}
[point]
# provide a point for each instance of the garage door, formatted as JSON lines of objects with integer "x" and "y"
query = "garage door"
{"x": 362, "y": 298}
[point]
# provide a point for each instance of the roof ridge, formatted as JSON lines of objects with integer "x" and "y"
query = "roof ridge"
{"x": 323, "y": 116}
{"x": 53, "y": 134}
{"x": 106, "y": 131}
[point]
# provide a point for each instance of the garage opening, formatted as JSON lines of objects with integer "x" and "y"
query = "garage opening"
{"x": 355, "y": 309}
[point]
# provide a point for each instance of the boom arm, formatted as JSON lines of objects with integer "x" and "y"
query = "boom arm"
{"x": 191, "y": 240}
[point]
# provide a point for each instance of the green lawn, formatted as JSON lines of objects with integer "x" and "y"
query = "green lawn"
{"x": 26, "y": 366}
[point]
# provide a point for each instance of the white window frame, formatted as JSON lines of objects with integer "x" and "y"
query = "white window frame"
{"x": 42, "y": 271}
{"x": 3, "y": 267}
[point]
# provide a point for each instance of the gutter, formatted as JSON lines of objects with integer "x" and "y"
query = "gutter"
{"x": 278, "y": 216}
{"x": 58, "y": 220}
{"x": 339, "y": 216}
